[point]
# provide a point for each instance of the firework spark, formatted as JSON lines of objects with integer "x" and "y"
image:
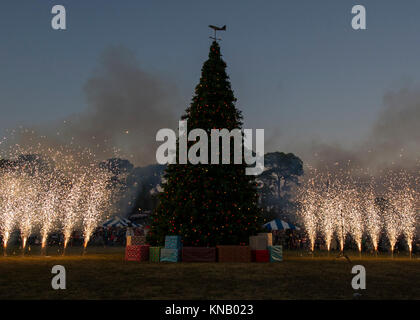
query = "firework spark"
{"x": 402, "y": 218}
{"x": 9, "y": 194}
{"x": 308, "y": 212}
{"x": 72, "y": 209}
{"x": 340, "y": 202}
{"x": 373, "y": 221}
{"x": 49, "y": 190}
{"x": 97, "y": 194}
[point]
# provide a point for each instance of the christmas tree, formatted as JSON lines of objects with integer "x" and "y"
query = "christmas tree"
{"x": 208, "y": 204}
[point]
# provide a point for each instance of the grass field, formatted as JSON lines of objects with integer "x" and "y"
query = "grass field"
{"x": 103, "y": 274}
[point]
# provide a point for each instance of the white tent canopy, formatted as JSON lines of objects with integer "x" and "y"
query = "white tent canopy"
{"x": 117, "y": 221}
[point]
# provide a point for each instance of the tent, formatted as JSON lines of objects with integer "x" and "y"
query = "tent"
{"x": 117, "y": 221}
{"x": 278, "y": 224}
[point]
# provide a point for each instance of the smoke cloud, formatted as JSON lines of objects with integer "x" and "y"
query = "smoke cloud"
{"x": 392, "y": 142}
{"x": 395, "y": 136}
{"x": 126, "y": 106}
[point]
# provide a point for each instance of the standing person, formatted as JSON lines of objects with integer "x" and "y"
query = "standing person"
{"x": 130, "y": 231}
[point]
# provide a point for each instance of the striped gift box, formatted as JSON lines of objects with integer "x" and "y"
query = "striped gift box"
{"x": 173, "y": 242}
{"x": 276, "y": 253}
{"x": 169, "y": 255}
{"x": 154, "y": 254}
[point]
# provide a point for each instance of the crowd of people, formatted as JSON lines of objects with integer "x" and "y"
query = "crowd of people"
{"x": 289, "y": 239}
{"x": 296, "y": 240}
{"x": 109, "y": 236}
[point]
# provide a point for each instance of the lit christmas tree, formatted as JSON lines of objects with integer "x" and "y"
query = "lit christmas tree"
{"x": 208, "y": 204}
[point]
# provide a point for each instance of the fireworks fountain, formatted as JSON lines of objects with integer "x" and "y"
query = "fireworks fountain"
{"x": 392, "y": 227}
{"x": 26, "y": 218}
{"x": 327, "y": 219}
{"x": 340, "y": 202}
{"x": 327, "y": 197}
{"x": 355, "y": 217}
{"x": 8, "y": 195}
{"x": 51, "y": 190}
{"x": 72, "y": 209}
{"x": 309, "y": 212}
{"x": 403, "y": 207}
{"x": 48, "y": 212}
{"x": 373, "y": 222}
{"x": 408, "y": 215}
{"x": 341, "y": 225}
{"x": 96, "y": 195}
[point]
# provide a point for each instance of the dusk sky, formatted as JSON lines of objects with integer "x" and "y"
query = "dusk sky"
{"x": 298, "y": 69}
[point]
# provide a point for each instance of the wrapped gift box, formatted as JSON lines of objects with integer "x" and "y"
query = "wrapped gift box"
{"x": 173, "y": 242}
{"x": 154, "y": 254}
{"x": 169, "y": 255}
{"x": 137, "y": 253}
{"x": 258, "y": 243}
{"x": 260, "y": 255}
{"x": 268, "y": 237}
{"x": 136, "y": 240}
{"x": 144, "y": 252}
{"x": 198, "y": 254}
{"x": 276, "y": 253}
{"x": 132, "y": 253}
{"x": 233, "y": 254}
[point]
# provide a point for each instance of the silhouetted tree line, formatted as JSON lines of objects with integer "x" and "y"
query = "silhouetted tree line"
{"x": 140, "y": 185}
{"x": 136, "y": 188}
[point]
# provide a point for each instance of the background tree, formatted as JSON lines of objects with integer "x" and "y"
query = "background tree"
{"x": 149, "y": 179}
{"x": 281, "y": 174}
{"x": 125, "y": 188}
{"x": 208, "y": 204}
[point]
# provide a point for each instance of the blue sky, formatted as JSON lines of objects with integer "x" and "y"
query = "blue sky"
{"x": 297, "y": 68}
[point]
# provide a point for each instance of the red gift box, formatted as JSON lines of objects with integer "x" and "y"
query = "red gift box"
{"x": 260, "y": 255}
{"x": 144, "y": 253}
{"x": 198, "y": 254}
{"x": 137, "y": 253}
{"x": 233, "y": 254}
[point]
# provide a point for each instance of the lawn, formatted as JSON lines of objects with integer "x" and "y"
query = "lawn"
{"x": 103, "y": 274}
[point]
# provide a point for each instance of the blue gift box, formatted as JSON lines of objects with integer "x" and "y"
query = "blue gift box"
{"x": 173, "y": 242}
{"x": 169, "y": 255}
{"x": 276, "y": 253}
